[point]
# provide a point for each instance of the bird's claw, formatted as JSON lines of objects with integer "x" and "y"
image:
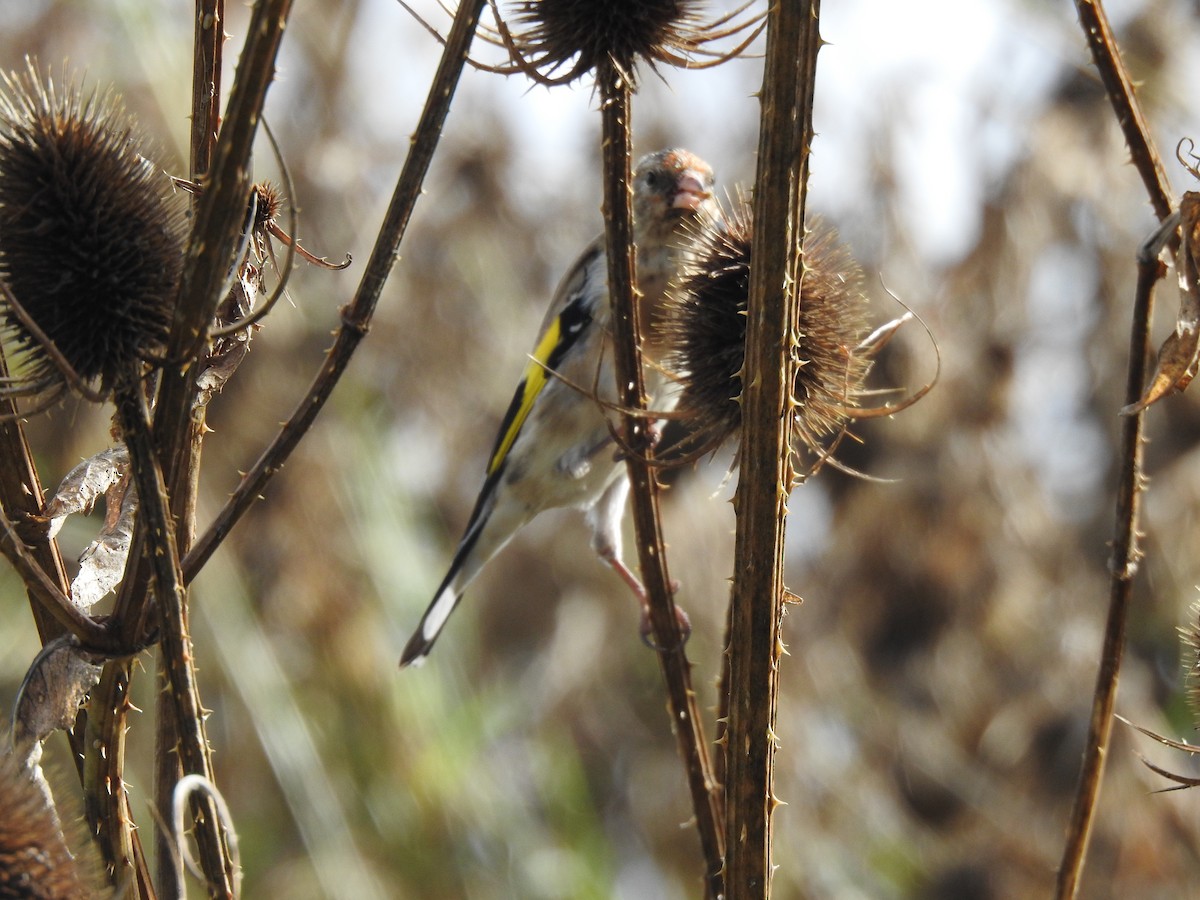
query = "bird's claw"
{"x": 681, "y": 620}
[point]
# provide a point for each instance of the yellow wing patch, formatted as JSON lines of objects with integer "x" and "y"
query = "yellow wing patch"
{"x": 536, "y": 376}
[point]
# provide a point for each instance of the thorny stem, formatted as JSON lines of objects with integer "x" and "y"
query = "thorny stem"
{"x": 1125, "y": 551}
{"x": 40, "y": 564}
{"x": 215, "y": 236}
{"x": 21, "y": 497}
{"x": 685, "y": 719}
{"x": 206, "y": 83}
{"x": 1119, "y": 87}
{"x": 106, "y": 803}
{"x": 183, "y": 699}
{"x": 1122, "y": 566}
{"x": 207, "y": 51}
{"x": 766, "y": 475}
{"x": 220, "y": 215}
{"x": 356, "y": 318}
{"x": 216, "y": 233}
{"x": 47, "y": 598}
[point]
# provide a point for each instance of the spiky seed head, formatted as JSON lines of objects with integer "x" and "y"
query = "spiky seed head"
{"x": 35, "y": 860}
{"x": 92, "y": 234}
{"x": 268, "y": 203}
{"x": 706, "y": 324}
{"x": 593, "y": 32}
{"x": 1190, "y": 636}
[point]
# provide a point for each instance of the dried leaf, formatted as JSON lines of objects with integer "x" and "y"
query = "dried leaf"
{"x": 102, "y": 564}
{"x": 229, "y": 351}
{"x": 84, "y": 484}
{"x": 1180, "y": 353}
{"x": 56, "y": 684}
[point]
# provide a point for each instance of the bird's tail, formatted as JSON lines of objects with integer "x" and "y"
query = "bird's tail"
{"x": 444, "y": 601}
{"x": 486, "y": 535}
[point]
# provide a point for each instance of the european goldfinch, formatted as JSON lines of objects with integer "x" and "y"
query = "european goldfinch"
{"x": 555, "y": 447}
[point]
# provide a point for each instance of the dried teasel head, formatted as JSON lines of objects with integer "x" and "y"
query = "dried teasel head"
{"x": 36, "y": 860}
{"x": 1190, "y": 638}
{"x": 92, "y": 239}
{"x": 706, "y": 323}
{"x": 557, "y": 41}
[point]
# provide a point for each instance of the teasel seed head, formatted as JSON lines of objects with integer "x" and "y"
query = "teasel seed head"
{"x": 92, "y": 237}
{"x": 588, "y": 34}
{"x": 706, "y": 323}
{"x": 35, "y": 859}
{"x": 1190, "y": 638}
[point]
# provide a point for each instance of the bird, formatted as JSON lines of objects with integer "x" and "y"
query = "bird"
{"x": 555, "y": 447}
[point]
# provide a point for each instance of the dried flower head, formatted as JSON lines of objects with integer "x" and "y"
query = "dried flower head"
{"x": 1190, "y": 638}
{"x": 583, "y": 35}
{"x": 35, "y": 860}
{"x": 707, "y": 327}
{"x": 91, "y": 238}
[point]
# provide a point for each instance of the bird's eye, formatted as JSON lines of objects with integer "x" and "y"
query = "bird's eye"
{"x": 654, "y": 179}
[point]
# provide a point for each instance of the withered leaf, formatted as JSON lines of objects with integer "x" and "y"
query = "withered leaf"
{"x": 56, "y": 684}
{"x": 228, "y": 352}
{"x": 1180, "y": 353}
{"x": 102, "y": 564}
{"x": 85, "y": 483}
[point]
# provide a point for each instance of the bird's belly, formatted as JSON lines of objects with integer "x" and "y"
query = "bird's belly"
{"x": 570, "y": 471}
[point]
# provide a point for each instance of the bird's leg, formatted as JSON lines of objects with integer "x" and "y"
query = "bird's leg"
{"x": 639, "y": 591}
{"x": 605, "y": 521}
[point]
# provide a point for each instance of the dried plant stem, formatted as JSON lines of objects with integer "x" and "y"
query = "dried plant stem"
{"x": 216, "y": 235}
{"x": 1119, "y": 88}
{"x": 766, "y": 475}
{"x": 182, "y": 695}
{"x": 631, "y": 395}
{"x": 721, "y": 741}
{"x": 20, "y": 497}
{"x": 52, "y": 606}
{"x": 207, "y": 51}
{"x": 1123, "y": 566}
{"x": 356, "y": 318}
{"x": 1125, "y": 551}
{"x": 105, "y": 801}
{"x": 46, "y": 579}
{"x": 220, "y": 215}
{"x": 206, "y": 83}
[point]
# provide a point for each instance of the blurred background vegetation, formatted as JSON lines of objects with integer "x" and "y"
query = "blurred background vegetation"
{"x": 938, "y": 685}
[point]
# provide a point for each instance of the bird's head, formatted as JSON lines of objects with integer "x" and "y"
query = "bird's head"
{"x": 670, "y": 187}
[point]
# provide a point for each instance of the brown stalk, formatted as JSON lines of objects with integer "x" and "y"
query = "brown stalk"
{"x": 106, "y": 803}
{"x": 631, "y": 395}
{"x": 53, "y": 611}
{"x": 207, "y": 52}
{"x": 215, "y": 237}
{"x": 1119, "y": 87}
{"x": 356, "y": 317}
{"x": 766, "y": 473}
{"x": 220, "y": 215}
{"x": 183, "y": 701}
{"x": 46, "y": 581}
{"x": 206, "y": 83}
{"x": 39, "y": 563}
{"x": 1125, "y": 551}
{"x": 1123, "y": 565}
{"x": 20, "y": 498}
{"x": 41, "y": 568}
{"x": 223, "y": 160}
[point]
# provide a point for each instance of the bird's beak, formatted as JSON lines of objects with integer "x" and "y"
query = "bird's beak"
{"x": 689, "y": 190}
